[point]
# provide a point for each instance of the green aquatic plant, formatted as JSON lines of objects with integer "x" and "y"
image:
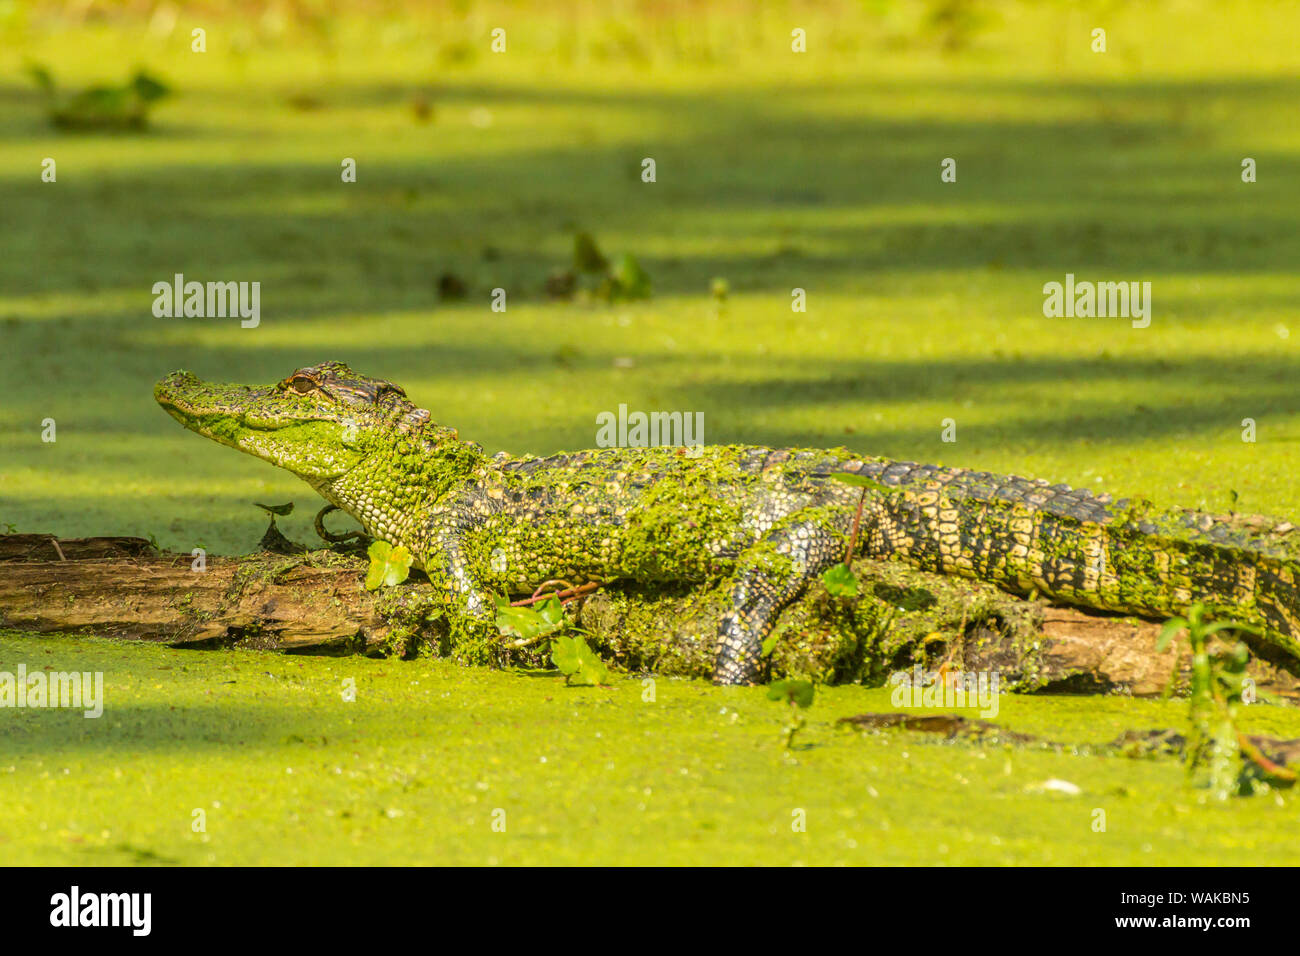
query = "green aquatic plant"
{"x": 1218, "y": 684}
{"x": 124, "y": 106}
{"x": 577, "y": 662}
{"x": 798, "y": 695}
{"x": 530, "y": 622}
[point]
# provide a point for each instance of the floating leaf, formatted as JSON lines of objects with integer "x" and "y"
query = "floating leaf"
{"x": 798, "y": 692}
{"x": 551, "y": 611}
{"x": 564, "y": 655}
{"x": 578, "y": 662}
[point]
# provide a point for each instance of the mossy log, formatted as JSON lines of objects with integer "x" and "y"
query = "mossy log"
{"x": 315, "y": 602}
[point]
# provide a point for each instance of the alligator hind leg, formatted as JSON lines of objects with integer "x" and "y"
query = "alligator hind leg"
{"x": 768, "y": 577}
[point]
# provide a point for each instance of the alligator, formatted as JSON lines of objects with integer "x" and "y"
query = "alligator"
{"x": 768, "y": 521}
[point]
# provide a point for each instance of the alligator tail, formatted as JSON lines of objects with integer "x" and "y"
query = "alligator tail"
{"x": 1083, "y": 549}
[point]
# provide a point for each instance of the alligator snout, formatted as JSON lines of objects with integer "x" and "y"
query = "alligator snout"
{"x": 169, "y": 386}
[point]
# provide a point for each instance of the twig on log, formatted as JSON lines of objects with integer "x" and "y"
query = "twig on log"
{"x": 569, "y": 593}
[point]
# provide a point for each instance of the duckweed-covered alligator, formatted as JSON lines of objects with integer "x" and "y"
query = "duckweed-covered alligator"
{"x": 771, "y": 521}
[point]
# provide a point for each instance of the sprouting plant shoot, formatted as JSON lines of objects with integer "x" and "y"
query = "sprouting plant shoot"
{"x": 123, "y": 106}
{"x": 798, "y": 694}
{"x": 624, "y": 280}
{"x": 1217, "y": 682}
{"x": 530, "y": 623}
{"x": 839, "y": 579}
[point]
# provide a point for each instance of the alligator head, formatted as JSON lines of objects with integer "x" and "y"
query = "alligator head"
{"x": 359, "y": 441}
{"x": 319, "y": 423}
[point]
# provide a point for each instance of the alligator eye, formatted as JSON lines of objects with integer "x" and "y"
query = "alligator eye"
{"x": 302, "y": 385}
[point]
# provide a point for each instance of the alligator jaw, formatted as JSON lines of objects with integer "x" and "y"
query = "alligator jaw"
{"x": 224, "y": 413}
{"x": 302, "y": 434}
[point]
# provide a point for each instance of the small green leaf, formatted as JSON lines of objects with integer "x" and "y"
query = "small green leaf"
{"x": 550, "y": 611}
{"x": 769, "y": 645}
{"x": 399, "y": 566}
{"x": 1171, "y": 628}
{"x": 840, "y": 581}
{"x": 798, "y": 692}
{"x": 149, "y": 88}
{"x": 861, "y": 481}
{"x": 577, "y": 662}
{"x": 378, "y": 552}
{"x": 630, "y": 280}
{"x": 389, "y": 566}
{"x": 529, "y": 622}
{"x": 586, "y": 255}
{"x": 1229, "y": 625}
{"x": 564, "y": 655}
{"x": 520, "y": 622}
{"x": 593, "y": 669}
{"x": 41, "y": 77}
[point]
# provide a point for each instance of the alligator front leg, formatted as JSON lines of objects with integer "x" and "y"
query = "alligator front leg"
{"x": 470, "y": 607}
{"x": 769, "y": 576}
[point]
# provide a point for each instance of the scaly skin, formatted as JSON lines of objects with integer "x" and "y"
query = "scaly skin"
{"x": 771, "y": 521}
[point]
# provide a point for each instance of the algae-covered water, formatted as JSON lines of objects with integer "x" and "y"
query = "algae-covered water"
{"x": 776, "y": 171}
{"x": 435, "y": 763}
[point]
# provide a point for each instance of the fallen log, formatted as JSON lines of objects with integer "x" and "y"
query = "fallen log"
{"x": 315, "y": 602}
{"x": 123, "y": 587}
